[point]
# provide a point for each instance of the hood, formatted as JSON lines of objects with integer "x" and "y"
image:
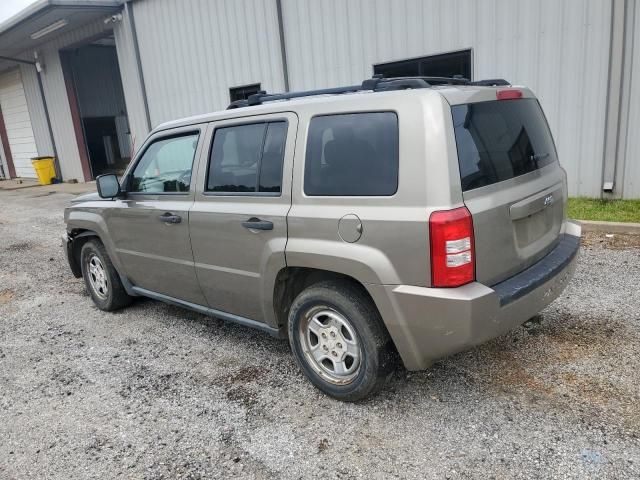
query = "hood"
{"x": 87, "y": 197}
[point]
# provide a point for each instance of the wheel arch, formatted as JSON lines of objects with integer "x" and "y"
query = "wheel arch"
{"x": 79, "y": 237}
{"x": 291, "y": 281}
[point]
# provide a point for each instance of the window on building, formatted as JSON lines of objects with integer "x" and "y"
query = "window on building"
{"x": 443, "y": 65}
{"x": 165, "y": 165}
{"x": 352, "y": 154}
{"x": 242, "y": 93}
{"x": 247, "y": 158}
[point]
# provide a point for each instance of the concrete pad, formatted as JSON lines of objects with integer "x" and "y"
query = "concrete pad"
{"x": 30, "y": 183}
{"x": 609, "y": 227}
{"x": 17, "y": 183}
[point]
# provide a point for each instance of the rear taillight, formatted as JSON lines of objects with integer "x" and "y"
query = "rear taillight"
{"x": 452, "y": 249}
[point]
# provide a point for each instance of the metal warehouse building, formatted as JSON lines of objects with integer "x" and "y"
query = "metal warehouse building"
{"x": 85, "y": 80}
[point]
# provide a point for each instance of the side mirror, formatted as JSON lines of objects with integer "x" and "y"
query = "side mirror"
{"x": 108, "y": 185}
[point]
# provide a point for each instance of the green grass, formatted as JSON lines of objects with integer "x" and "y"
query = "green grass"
{"x": 605, "y": 210}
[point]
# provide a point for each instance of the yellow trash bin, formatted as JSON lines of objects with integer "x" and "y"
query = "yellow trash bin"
{"x": 45, "y": 169}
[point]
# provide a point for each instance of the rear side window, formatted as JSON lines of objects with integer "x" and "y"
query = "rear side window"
{"x": 500, "y": 140}
{"x": 247, "y": 158}
{"x": 352, "y": 154}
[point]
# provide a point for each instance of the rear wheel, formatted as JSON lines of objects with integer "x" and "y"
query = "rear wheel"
{"x": 101, "y": 279}
{"x": 339, "y": 341}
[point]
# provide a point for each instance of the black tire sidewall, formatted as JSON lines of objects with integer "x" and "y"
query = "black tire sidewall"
{"x": 359, "y": 316}
{"x": 93, "y": 248}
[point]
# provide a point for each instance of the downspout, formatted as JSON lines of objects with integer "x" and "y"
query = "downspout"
{"x": 46, "y": 111}
{"x": 128, "y": 8}
{"x": 283, "y": 46}
{"x": 614, "y": 98}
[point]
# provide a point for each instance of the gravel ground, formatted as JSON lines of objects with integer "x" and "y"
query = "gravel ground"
{"x": 154, "y": 391}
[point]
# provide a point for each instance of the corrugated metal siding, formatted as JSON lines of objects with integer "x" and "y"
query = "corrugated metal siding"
{"x": 18, "y": 123}
{"x": 631, "y": 177}
{"x": 559, "y": 49}
{"x": 36, "y": 110}
{"x": 192, "y": 52}
{"x": 130, "y": 81}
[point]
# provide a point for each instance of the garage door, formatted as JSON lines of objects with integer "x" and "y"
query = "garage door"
{"x": 18, "y": 123}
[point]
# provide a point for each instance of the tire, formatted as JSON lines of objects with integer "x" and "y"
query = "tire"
{"x": 358, "y": 359}
{"x": 101, "y": 279}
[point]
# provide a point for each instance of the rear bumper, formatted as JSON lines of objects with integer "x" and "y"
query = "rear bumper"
{"x": 430, "y": 323}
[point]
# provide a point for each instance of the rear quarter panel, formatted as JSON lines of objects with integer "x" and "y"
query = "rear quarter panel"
{"x": 394, "y": 246}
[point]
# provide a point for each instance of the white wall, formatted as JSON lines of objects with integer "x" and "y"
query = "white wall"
{"x": 631, "y": 147}
{"x": 560, "y": 49}
{"x": 193, "y": 51}
{"x": 131, "y": 81}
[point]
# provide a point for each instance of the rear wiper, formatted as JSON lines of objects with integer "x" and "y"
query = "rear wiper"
{"x": 535, "y": 158}
{"x": 539, "y": 156}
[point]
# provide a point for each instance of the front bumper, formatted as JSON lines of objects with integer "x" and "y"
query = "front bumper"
{"x": 430, "y": 323}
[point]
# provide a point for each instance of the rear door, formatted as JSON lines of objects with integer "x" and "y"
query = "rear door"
{"x": 238, "y": 222}
{"x": 512, "y": 183}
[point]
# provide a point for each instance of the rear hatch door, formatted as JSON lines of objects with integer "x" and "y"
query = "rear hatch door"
{"x": 511, "y": 182}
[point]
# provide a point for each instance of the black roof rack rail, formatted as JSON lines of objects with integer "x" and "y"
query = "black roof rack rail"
{"x": 491, "y": 82}
{"x": 258, "y": 98}
{"x": 377, "y": 84}
{"x": 237, "y": 104}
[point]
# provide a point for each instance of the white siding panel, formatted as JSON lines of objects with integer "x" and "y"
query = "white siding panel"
{"x": 559, "y": 49}
{"x": 193, "y": 52}
{"x": 632, "y": 147}
{"x": 17, "y": 123}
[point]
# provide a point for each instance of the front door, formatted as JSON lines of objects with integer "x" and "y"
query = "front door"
{"x": 238, "y": 222}
{"x": 151, "y": 227}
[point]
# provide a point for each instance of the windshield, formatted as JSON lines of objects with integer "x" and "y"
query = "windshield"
{"x": 500, "y": 140}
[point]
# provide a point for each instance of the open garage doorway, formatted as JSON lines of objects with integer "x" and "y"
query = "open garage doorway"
{"x": 98, "y": 109}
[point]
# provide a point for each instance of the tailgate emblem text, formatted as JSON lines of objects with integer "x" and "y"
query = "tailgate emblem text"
{"x": 548, "y": 200}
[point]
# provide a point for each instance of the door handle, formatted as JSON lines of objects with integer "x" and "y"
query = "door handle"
{"x": 169, "y": 217}
{"x": 256, "y": 224}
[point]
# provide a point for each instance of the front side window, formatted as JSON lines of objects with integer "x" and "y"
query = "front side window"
{"x": 247, "y": 158}
{"x": 165, "y": 166}
{"x": 352, "y": 154}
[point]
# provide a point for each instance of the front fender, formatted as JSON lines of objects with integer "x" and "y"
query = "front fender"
{"x": 80, "y": 219}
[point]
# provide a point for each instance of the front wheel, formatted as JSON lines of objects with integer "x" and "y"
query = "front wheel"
{"x": 101, "y": 279}
{"x": 339, "y": 341}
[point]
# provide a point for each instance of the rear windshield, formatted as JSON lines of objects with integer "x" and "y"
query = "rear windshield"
{"x": 500, "y": 140}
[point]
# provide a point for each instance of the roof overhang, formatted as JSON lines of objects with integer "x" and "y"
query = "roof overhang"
{"x": 43, "y": 21}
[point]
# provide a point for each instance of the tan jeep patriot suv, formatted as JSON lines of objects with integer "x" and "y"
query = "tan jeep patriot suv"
{"x": 409, "y": 216}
